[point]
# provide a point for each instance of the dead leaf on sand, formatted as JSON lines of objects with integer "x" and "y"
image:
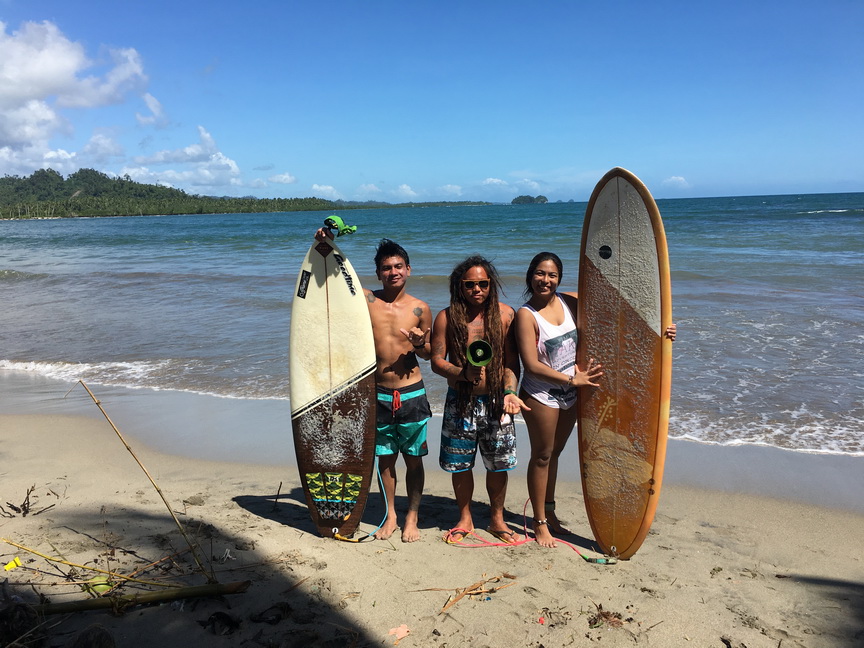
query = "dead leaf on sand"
{"x": 605, "y": 618}
{"x": 477, "y": 588}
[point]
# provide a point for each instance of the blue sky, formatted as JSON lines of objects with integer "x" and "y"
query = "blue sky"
{"x": 441, "y": 100}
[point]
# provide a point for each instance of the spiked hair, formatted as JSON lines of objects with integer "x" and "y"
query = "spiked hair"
{"x": 388, "y": 248}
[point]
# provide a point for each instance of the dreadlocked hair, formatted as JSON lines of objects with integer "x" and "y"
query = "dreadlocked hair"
{"x": 457, "y": 336}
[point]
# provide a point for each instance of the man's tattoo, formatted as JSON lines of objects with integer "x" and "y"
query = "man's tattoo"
{"x": 438, "y": 350}
{"x": 418, "y": 311}
{"x": 510, "y": 382}
{"x": 370, "y": 297}
{"x": 476, "y": 330}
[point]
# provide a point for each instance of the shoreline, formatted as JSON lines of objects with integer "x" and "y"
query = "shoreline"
{"x": 247, "y": 431}
{"x": 716, "y": 567}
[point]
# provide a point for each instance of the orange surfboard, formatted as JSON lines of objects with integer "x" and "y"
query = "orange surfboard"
{"x": 625, "y": 304}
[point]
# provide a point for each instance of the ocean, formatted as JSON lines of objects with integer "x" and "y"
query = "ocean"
{"x": 187, "y": 317}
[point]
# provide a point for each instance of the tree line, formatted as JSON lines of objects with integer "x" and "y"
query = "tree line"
{"x": 46, "y": 194}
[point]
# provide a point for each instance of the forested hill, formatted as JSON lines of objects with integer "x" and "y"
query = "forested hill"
{"x": 46, "y": 194}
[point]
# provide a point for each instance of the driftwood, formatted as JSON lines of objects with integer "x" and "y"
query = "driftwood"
{"x": 129, "y": 600}
{"x": 208, "y": 574}
{"x": 472, "y": 590}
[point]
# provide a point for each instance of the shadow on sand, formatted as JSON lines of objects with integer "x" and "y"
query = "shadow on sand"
{"x": 437, "y": 514}
{"x": 278, "y": 608}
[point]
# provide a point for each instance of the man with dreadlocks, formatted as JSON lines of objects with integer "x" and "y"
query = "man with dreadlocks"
{"x": 481, "y": 401}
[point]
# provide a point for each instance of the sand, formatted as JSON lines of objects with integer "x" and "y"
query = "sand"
{"x": 719, "y": 568}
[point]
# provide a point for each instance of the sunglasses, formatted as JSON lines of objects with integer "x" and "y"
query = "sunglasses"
{"x": 483, "y": 284}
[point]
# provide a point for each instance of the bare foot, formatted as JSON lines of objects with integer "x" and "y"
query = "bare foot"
{"x": 466, "y": 523}
{"x": 387, "y": 530}
{"x": 543, "y": 536}
{"x": 505, "y": 535}
{"x": 555, "y": 524}
{"x": 410, "y": 533}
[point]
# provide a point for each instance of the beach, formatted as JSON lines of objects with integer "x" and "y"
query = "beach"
{"x": 722, "y": 565}
{"x": 179, "y": 324}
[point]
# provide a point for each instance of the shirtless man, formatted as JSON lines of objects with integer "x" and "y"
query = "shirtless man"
{"x": 481, "y": 401}
{"x": 400, "y": 325}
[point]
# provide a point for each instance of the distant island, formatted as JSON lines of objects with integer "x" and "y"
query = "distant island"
{"x": 46, "y": 194}
{"x": 529, "y": 200}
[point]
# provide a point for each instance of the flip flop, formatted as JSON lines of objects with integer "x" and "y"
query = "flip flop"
{"x": 457, "y": 535}
{"x": 507, "y": 537}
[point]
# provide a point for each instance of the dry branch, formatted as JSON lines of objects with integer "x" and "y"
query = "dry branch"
{"x": 210, "y": 577}
{"x": 129, "y": 600}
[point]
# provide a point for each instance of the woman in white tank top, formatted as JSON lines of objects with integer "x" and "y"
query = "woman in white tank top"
{"x": 546, "y": 335}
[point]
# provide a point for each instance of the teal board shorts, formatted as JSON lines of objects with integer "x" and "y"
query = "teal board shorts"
{"x": 401, "y": 420}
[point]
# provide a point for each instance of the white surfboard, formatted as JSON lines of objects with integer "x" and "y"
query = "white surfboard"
{"x": 332, "y": 376}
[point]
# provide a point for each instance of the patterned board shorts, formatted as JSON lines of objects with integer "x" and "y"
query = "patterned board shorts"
{"x": 461, "y": 437}
{"x": 401, "y": 420}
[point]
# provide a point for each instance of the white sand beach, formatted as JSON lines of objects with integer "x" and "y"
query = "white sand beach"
{"x": 719, "y": 568}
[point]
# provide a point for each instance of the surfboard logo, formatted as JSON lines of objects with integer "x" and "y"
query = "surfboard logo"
{"x": 304, "y": 284}
{"x": 345, "y": 274}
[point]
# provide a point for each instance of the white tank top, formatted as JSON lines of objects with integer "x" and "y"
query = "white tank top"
{"x": 556, "y": 348}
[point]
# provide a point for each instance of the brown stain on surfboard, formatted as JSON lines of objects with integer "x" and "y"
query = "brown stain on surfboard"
{"x": 332, "y": 373}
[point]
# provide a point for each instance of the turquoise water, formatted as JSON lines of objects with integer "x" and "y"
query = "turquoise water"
{"x": 767, "y": 294}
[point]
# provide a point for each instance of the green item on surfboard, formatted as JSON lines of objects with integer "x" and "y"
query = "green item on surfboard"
{"x": 336, "y": 223}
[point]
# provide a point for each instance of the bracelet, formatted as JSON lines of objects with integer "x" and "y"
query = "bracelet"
{"x": 540, "y": 522}
{"x": 510, "y": 391}
{"x": 419, "y": 346}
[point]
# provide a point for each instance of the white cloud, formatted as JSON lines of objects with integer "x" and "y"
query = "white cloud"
{"x": 127, "y": 75}
{"x": 368, "y": 190}
{"x": 32, "y": 123}
{"x": 495, "y": 181}
{"x": 283, "y": 178}
{"x": 676, "y": 182}
{"x": 38, "y": 62}
{"x": 42, "y": 74}
{"x": 525, "y": 183}
{"x": 61, "y": 161}
{"x": 209, "y": 166}
{"x": 200, "y": 152}
{"x": 451, "y": 190}
{"x": 325, "y": 191}
{"x": 157, "y": 114}
{"x": 101, "y": 148}
{"x": 405, "y": 192}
